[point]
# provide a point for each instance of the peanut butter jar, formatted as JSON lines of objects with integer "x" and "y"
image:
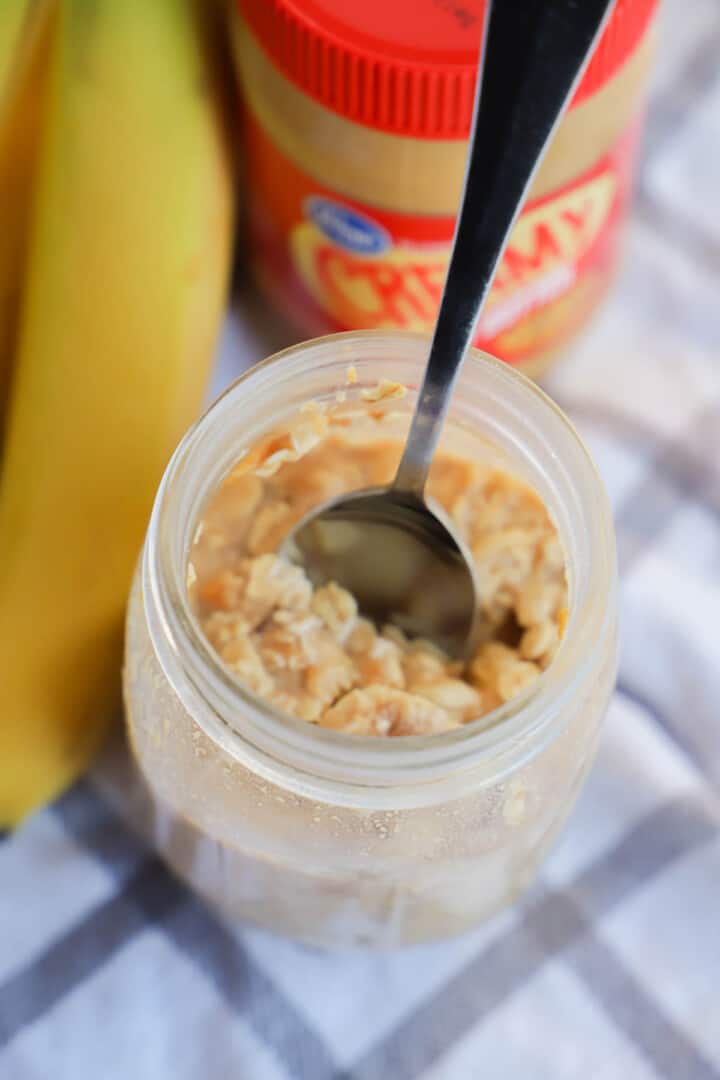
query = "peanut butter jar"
{"x": 355, "y": 129}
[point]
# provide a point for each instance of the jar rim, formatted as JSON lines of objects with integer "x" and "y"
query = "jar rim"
{"x": 316, "y": 761}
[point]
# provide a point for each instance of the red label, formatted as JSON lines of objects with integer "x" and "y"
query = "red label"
{"x": 342, "y": 265}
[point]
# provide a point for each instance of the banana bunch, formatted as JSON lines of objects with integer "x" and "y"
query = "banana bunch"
{"x": 116, "y": 225}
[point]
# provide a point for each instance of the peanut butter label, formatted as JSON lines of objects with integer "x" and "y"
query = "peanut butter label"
{"x": 357, "y": 267}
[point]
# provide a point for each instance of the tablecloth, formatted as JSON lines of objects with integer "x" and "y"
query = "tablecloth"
{"x": 609, "y": 969}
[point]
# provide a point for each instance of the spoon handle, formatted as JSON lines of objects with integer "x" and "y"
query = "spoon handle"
{"x": 535, "y": 52}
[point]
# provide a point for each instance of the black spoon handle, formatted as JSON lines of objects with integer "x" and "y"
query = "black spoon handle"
{"x": 535, "y": 52}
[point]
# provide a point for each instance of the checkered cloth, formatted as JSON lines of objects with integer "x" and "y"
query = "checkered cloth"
{"x": 610, "y": 968}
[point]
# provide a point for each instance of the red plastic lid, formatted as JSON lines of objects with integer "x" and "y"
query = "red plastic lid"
{"x": 406, "y": 66}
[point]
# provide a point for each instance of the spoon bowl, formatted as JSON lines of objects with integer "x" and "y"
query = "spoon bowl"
{"x": 401, "y": 558}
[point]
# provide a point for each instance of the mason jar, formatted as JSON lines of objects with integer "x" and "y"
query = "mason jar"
{"x": 341, "y": 840}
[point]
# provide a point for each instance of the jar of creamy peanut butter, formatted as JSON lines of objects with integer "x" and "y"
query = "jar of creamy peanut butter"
{"x": 356, "y": 122}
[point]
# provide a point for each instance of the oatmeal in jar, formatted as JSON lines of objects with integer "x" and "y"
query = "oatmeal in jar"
{"x": 270, "y": 811}
{"x": 309, "y": 651}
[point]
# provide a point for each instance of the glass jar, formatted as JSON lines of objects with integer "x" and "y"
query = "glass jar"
{"x": 355, "y": 134}
{"x": 345, "y": 840}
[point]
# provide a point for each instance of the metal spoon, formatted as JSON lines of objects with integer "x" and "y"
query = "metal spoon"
{"x": 392, "y": 547}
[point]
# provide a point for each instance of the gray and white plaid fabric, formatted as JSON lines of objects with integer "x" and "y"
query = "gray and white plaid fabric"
{"x": 610, "y": 968}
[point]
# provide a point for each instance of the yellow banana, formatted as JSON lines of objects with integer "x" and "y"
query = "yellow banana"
{"x": 12, "y": 15}
{"x": 25, "y": 27}
{"x": 127, "y": 272}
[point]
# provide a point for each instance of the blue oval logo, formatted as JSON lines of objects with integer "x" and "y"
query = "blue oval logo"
{"x": 347, "y": 228}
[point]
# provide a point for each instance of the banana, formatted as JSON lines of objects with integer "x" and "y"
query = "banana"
{"x": 25, "y": 34}
{"x": 127, "y": 273}
{"x": 12, "y": 16}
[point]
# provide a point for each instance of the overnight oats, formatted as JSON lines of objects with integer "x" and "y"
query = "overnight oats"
{"x": 326, "y": 777}
{"x": 308, "y": 650}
